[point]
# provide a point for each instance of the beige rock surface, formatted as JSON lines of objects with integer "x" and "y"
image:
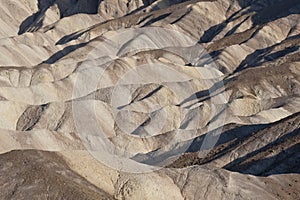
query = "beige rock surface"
{"x": 149, "y": 99}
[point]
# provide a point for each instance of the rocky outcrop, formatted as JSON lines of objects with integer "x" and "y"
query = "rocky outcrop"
{"x": 151, "y": 99}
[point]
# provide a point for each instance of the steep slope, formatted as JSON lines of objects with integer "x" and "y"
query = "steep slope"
{"x": 151, "y": 99}
{"x": 42, "y": 175}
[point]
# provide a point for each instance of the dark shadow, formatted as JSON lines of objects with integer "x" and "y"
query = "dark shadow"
{"x": 144, "y": 19}
{"x": 156, "y": 19}
{"x": 250, "y": 164}
{"x": 182, "y": 16}
{"x": 69, "y": 49}
{"x": 167, "y": 11}
{"x": 236, "y": 135}
{"x": 69, "y": 37}
{"x": 146, "y": 3}
{"x": 151, "y": 93}
{"x": 205, "y": 95}
{"x": 287, "y": 161}
{"x": 273, "y": 10}
{"x": 262, "y": 56}
{"x": 174, "y": 3}
{"x": 66, "y": 8}
{"x": 145, "y": 97}
{"x": 197, "y": 144}
{"x": 233, "y": 137}
{"x": 62, "y": 53}
{"x": 279, "y": 54}
{"x": 232, "y": 31}
{"x": 212, "y": 32}
{"x": 35, "y": 21}
{"x": 265, "y": 11}
{"x": 210, "y": 57}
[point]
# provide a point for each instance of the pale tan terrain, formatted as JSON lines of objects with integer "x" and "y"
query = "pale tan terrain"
{"x": 146, "y": 99}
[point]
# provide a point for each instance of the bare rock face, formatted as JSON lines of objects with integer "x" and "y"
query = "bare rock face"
{"x": 43, "y": 175}
{"x": 156, "y": 99}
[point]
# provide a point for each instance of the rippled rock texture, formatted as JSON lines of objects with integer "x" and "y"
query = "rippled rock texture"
{"x": 149, "y": 99}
